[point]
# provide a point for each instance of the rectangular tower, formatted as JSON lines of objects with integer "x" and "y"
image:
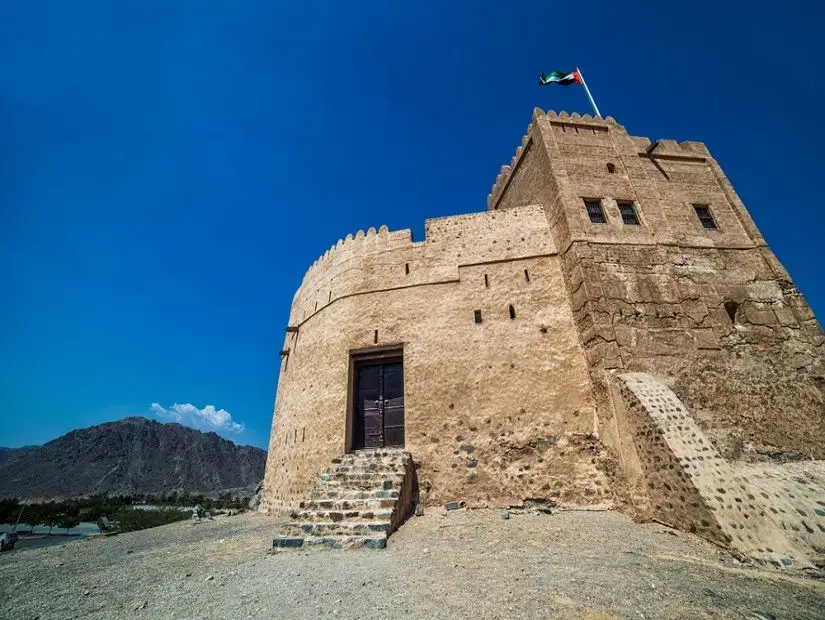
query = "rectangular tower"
{"x": 667, "y": 274}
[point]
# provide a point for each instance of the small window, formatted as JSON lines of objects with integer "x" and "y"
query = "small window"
{"x": 595, "y": 212}
{"x": 628, "y": 212}
{"x": 486, "y": 281}
{"x": 375, "y": 337}
{"x": 611, "y": 168}
{"x": 512, "y": 312}
{"x": 407, "y": 268}
{"x": 478, "y": 316}
{"x": 731, "y": 307}
{"x": 705, "y": 216}
{"x": 526, "y": 275}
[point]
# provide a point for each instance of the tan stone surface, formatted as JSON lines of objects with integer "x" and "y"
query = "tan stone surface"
{"x": 652, "y": 297}
{"x": 509, "y": 409}
{"x": 495, "y": 411}
{"x": 771, "y": 512}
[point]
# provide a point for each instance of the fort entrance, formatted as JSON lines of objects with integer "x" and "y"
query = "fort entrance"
{"x": 377, "y": 405}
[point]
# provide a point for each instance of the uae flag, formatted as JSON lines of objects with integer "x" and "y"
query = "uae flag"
{"x": 561, "y": 78}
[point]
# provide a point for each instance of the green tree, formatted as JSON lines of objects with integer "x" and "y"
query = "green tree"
{"x": 32, "y": 515}
{"x": 9, "y": 509}
{"x": 51, "y": 516}
{"x": 67, "y": 521}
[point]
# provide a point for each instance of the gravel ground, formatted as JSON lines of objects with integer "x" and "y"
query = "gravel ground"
{"x": 593, "y": 565}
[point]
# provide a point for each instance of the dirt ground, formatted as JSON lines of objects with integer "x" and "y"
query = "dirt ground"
{"x": 593, "y": 565}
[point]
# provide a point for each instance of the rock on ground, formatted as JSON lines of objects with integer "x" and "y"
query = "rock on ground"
{"x": 568, "y": 565}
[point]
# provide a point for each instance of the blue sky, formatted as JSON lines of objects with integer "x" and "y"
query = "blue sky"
{"x": 168, "y": 170}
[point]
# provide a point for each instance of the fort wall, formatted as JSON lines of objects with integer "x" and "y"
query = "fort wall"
{"x": 495, "y": 411}
{"x": 533, "y": 341}
{"x": 769, "y": 512}
{"x": 712, "y": 309}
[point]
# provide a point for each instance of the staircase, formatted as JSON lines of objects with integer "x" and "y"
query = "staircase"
{"x": 357, "y": 503}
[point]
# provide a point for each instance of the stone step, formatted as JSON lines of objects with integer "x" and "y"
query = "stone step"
{"x": 362, "y": 475}
{"x": 370, "y": 456}
{"x": 330, "y": 542}
{"x": 371, "y": 484}
{"x": 351, "y": 505}
{"x": 304, "y": 529}
{"x": 338, "y": 505}
{"x": 370, "y": 468}
{"x": 342, "y": 515}
{"x": 366, "y": 452}
{"x": 365, "y": 470}
{"x": 320, "y": 492}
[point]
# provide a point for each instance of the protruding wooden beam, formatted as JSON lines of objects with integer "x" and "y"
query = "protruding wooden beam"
{"x": 291, "y": 328}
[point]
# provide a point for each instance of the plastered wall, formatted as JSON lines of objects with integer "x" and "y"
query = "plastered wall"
{"x": 495, "y": 411}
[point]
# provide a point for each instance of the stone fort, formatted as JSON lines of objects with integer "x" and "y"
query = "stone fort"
{"x": 612, "y": 332}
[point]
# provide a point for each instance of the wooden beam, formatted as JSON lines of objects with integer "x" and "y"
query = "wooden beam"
{"x": 292, "y": 328}
{"x": 675, "y": 157}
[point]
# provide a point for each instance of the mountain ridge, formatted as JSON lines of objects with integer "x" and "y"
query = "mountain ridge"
{"x": 130, "y": 456}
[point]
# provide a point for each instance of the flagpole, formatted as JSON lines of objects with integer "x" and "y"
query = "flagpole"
{"x": 587, "y": 90}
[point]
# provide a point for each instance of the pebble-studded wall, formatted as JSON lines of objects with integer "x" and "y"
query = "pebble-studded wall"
{"x": 772, "y": 513}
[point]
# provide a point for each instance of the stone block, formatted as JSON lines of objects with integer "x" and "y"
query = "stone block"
{"x": 594, "y": 289}
{"x": 801, "y": 311}
{"x": 706, "y": 339}
{"x": 625, "y": 336}
{"x": 813, "y": 331}
{"x": 615, "y": 289}
{"x": 759, "y": 315}
{"x": 287, "y": 542}
{"x": 785, "y": 316}
{"x": 579, "y": 297}
{"x": 688, "y": 289}
{"x": 764, "y": 291}
{"x": 375, "y": 543}
{"x": 695, "y": 309}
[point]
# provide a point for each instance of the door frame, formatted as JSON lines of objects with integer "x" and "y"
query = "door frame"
{"x": 359, "y": 357}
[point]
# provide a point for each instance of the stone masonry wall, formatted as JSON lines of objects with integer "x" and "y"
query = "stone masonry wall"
{"x": 713, "y": 310}
{"x": 768, "y": 512}
{"x": 495, "y": 411}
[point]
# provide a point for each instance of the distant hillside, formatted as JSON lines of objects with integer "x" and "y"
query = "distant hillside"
{"x": 130, "y": 456}
{"x": 8, "y": 454}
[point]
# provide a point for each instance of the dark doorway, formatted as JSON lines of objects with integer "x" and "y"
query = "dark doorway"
{"x": 378, "y": 407}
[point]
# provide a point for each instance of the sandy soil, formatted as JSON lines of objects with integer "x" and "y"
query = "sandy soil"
{"x": 594, "y": 565}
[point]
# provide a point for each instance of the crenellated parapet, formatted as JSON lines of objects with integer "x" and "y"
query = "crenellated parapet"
{"x": 506, "y": 170}
{"x": 574, "y": 121}
{"x": 383, "y": 259}
{"x": 358, "y": 243}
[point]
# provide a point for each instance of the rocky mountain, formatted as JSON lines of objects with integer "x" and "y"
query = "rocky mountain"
{"x": 130, "y": 456}
{"x": 7, "y": 454}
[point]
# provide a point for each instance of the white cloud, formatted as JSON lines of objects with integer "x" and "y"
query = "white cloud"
{"x": 206, "y": 419}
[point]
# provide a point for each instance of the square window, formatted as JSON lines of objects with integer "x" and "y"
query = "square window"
{"x": 628, "y": 212}
{"x": 595, "y": 212}
{"x": 705, "y": 216}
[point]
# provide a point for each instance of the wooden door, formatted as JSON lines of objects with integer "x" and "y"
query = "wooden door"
{"x": 379, "y": 405}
